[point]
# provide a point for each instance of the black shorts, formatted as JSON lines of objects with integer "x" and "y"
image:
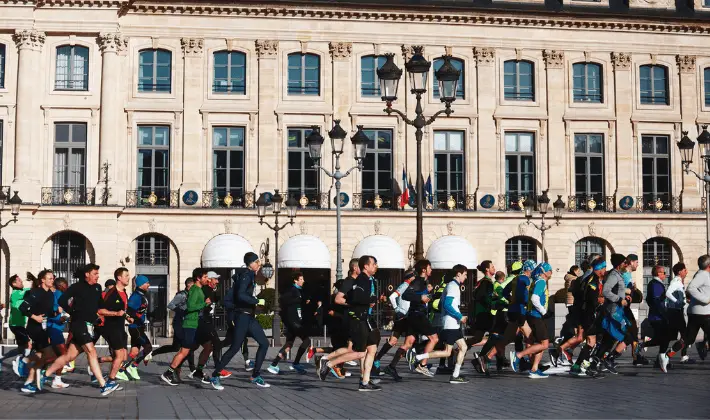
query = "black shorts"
{"x": 340, "y": 334}
{"x": 539, "y": 329}
{"x": 21, "y": 337}
{"x": 81, "y": 334}
{"x": 501, "y": 322}
{"x": 516, "y": 318}
{"x": 450, "y": 337}
{"x": 419, "y": 325}
{"x": 203, "y": 334}
{"x": 38, "y": 335}
{"x": 188, "y": 337}
{"x": 138, "y": 337}
{"x": 115, "y": 337}
{"x": 362, "y": 336}
{"x": 292, "y": 331}
{"x": 484, "y": 322}
{"x": 591, "y": 324}
{"x": 400, "y": 327}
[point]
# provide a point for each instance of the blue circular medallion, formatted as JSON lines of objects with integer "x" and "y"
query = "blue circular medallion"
{"x": 487, "y": 201}
{"x": 626, "y": 202}
{"x": 190, "y": 198}
{"x": 344, "y": 199}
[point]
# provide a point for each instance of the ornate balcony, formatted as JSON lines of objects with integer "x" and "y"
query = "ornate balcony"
{"x": 658, "y": 203}
{"x": 223, "y": 198}
{"x": 375, "y": 201}
{"x": 514, "y": 201}
{"x": 152, "y": 197}
{"x": 67, "y": 196}
{"x": 591, "y": 203}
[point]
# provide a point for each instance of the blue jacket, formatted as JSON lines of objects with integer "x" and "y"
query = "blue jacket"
{"x": 244, "y": 300}
{"x": 54, "y": 321}
{"x": 520, "y": 295}
{"x": 656, "y": 300}
{"x": 137, "y": 308}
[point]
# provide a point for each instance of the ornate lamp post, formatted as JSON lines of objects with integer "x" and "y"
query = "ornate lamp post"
{"x": 686, "y": 147}
{"x": 337, "y": 138}
{"x": 543, "y": 202}
{"x": 291, "y": 208}
{"x": 418, "y": 70}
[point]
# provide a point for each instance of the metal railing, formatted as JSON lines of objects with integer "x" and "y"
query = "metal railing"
{"x": 590, "y": 202}
{"x": 67, "y": 196}
{"x": 310, "y": 200}
{"x": 238, "y": 88}
{"x": 223, "y": 198}
{"x": 80, "y": 85}
{"x": 152, "y": 197}
{"x": 514, "y": 201}
{"x": 658, "y": 203}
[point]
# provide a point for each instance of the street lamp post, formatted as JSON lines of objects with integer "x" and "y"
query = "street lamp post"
{"x": 543, "y": 202}
{"x": 337, "y": 138}
{"x": 686, "y": 147}
{"x": 418, "y": 70}
{"x": 291, "y": 208}
{"x": 15, "y": 203}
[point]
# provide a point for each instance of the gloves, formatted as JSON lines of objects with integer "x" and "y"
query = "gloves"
{"x": 261, "y": 302}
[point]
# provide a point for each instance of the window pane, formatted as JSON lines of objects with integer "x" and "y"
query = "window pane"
{"x": 161, "y": 136}
{"x": 294, "y": 138}
{"x": 440, "y": 140}
{"x": 662, "y": 145}
{"x": 647, "y": 144}
{"x": 61, "y": 133}
{"x": 580, "y": 143}
{"x": 384, "y": 140}
{"x": 236, "y": 137}
{"x": 220, "y": 58}
{"x": 595, "y": 144}
{"x": 145, "y": 136}
{"x": 219, "y": 159}
{"x": 219, "y": 137}
{"x": 456, "y": 141}
{"x": 511, "y": 143}
{"x": 383, "y": 162}
{"x": 526, "y": 143}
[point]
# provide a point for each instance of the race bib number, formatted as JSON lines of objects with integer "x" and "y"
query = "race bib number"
{"x": 90, "y": 328}
{"x": 299, "y": 312}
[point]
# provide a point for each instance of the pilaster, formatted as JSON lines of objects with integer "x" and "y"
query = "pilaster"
{"x": 689, "y": 90}
{"x": 195, "y": 164}
{"x": 274, "y": 138}
{"x": 626, "y": 135}
{"x": 489, "y": 147}
{"x": 556, "y": 99}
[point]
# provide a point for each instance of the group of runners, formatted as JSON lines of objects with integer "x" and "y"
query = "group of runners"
{"x": 505, "y": 308}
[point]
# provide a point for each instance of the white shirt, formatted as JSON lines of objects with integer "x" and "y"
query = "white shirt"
{"x": 453, "y": 289}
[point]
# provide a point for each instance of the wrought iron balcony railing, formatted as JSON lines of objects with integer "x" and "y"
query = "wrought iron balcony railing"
{"x": 591, "y": 202}
{"x": 152, "y": 197}
{"x": 309, "y": 200}
{"x": 224, "y": 198}
{"x": 67, "y": 196}
{"x": 659, "y": 203}
{"x": 514, "y": 201}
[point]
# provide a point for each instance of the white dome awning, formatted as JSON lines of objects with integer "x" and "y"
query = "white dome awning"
{"x": 225, "y": 251}
{"x": 387, "y": 251}
{"x": 304, "y": 251}
{"x": 447, "y": 251}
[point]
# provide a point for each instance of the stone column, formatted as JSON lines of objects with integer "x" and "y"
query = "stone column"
{"x": 692, "y": 191}
{"x": 341, "y": 53}
{"x": 557, "y": 168}
{"x": 111, "y": 44}
{"x": 489, "y": 148}
{"x": 27, "y": 121}
{"x": 627, "y": 159}
{"x": 195, "y": 174}
{"x": 270, "y": 150}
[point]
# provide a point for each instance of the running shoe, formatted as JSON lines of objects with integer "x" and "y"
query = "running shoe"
{"x": 375, "y": 381}
{"x": 311, "y": 353}
{"x": 121, "y": 376}
{"x": 40, "y": 379}
{"x": 216, "y": 383}
{"x": 458, "y": 380}
{"x": 576, "y": 370}
{"x": 476, "y": 363}
{"x": 538, "y": 374}
{"x": 411, "y": 357}
{"x": 351, "y": 363}
{"x": 22, "y": 367}
{"x": 641, "y": 361}
{"x": 16, "y": 366}
{"x": 58, "y": 384}
{"x": 663, "y": 362}
{"x": 554, "y": 356}
{"x": 147, "y": 358}
{"x": 686, "y": 360}
{"x": 259, "y": 381}
{"x": 514, "y": 362}
{"x": 345, "y": 372}
{"x": 424, "y": 371}
{"x": 70, "y": 367}
{"x": 109, "y": 388}
{"x": 169, "y": 378}
{"x": 248, "y": 365}
{"x": 224, "y": 374}
{"x": 323, "y": 371}
{"x": 337, "y": 372}
{"x": 568, "y": 355}
{"x": 563, "y": 361}
{"x": 299, "y": 368}
{"x": 29, "y": 388}
{"x": 369, "y": 387}
{"x": 274, "y": 369}
{"x": 702, "y": 350}
{"x": 610, "y": 366}
{"x": 393, "y": 373}
{"x": 484, "y": 365}
{"x": 317, "y": 361}
{"x": 133, "y": 371}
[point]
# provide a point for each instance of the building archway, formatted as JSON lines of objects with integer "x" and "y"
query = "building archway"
{"x": 590, "y": 245}
{"x": 67, "y": 252}
{"x": 521, "y": 248}
{"x": 659, "y": 251}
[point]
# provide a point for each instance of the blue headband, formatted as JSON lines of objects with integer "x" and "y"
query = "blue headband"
{"x": 599, "y": 265}
{"x": 529, "y": 265}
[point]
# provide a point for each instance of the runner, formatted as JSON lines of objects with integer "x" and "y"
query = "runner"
{"x": 675, "y": 304}
{"x": 18, "y": 323}
{"x": 113, "y": 309}
{"x": 246, "y": 324}
{"x": 178, "y": 305}
{"x": 207, "y": 335}
{"x": 137, "y": 308}
{"x": 399, "y": 328}
{"x": 658, "y": 317}
{"x": 698, "y": 291}
{"x": 55, "y": 329}
{"x": 591, "y": 299}
{"x": 228, "y": 305}
{"x": 291, "y": 302}
{"x": 484, "y": 302}
{"x": 632, "y": 336}
{"x": 614, "y": 323}
{"x": 570, "y": 334}
{"x": 419, "y": 325}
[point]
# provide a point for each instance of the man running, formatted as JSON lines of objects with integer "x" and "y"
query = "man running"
{"x": 482, "y": 311}
{"x": 399, "y": 328}
{"x": 657, "y": 316}
{"x": 246, "y": 324}
{"x": 698, "y": 291}
{"x": 207, "y": 335}
{"x": 18, "y": 323}
{"x": 86, "y": 297}
{"x": 55, "y": 328}
{"x": 113, "y": 309}
{"x": 291, "y": 303}
{"x": 137, "y": 309}
{"x": 178, "y": 305}
{"x": 675, "y": 304}
{"x": 38, "y": 307}
{"x": 419, "y": 325}
{"x": 591, "y": 299}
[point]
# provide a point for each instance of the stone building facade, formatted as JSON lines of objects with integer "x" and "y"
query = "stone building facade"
{"x": 126, "y": 123}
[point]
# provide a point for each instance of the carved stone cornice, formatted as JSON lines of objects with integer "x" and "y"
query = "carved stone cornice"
{"x": 341, "y": 51}
{"x": 29, "y": 39}
{"x": 112, "y": 42}
{"x": 192, "y": 47}
{"x": 686, "y": 63}
{"x": 485, "y": 56}
{"x": 554, "y": 59}
{"x": 267, "y": 49}
{"x": 621, "y": 61}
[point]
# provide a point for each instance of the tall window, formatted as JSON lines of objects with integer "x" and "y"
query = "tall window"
{"x": 2, "y": 66}
{"x": 520, "y": 248}
{"x": 154, "y": 163}
{"x": 656, "y": 251}
{"x": 518, "y": 83}
{"x": 303, "y": 74}
{"x": 656, "y": 172}
{"x": 460, "y": 87}
{"x": 155, "y": 71}
{"x": 370, "y": 84}
{"x": 586, "y": 247}
{"x": 654, "y": 84}
{"x": 72, "y": 71}
{"x": 230, "y": 72}
{"x": 449, "y": 167}
{"x": 587, "y": 80}
{"x": 589, "y": 169}
{"x": 69, "y": 155}
{"x": 228, "y": 162}
{"x": 519, "y": 167}
{"x": 152, "y": 250}
{"x": 68, "y": 254}
{"x": 377, "y": 168}
{"x": 302, "y": 177}
{"x": 706, "y": 77}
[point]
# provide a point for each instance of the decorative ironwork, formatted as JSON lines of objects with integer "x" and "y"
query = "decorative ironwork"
{"x": 703, "y": 204}
{"x": 106, "y": 193}
{"x": 610, "y": 203}
{"x": 207, "y": 197}
{"x": 676, "y": 204}
{"x": 249, "y": 199}
{"x": 153, "y": 197}
{"x": 514, "y": 201}
{"x": 357, "y": 201}
{"x": 324, "y": 200}
{"x": 572, "y": 203}
{"x": 471, "y": 201}
{"x": 67, "y": 196}
{"x": 222, "y": 198}
{"x": 377, "y": 201}
{"x": 451, "y": 202}
{"x": 369, "y": 200}
{"x": 594, "y": 202}
{"x": 174, "y": 198}
{"x": 658, "y": 203}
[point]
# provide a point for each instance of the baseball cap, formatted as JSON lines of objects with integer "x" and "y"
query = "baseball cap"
{"x": 212, "y": 275}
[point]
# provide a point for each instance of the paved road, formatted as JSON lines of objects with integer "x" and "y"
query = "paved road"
{"x": 639, "y": 392}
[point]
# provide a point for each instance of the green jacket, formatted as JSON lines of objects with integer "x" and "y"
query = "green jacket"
{"x": 195, "y": 303}
{"x": 500, "y": 299}
{"x": 17, "y": 319}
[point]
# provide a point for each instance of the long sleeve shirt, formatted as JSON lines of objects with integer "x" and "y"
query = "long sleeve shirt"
{"x": 362, "y": 296}
{"x": 520, "y": 295}
{"x": 614, "y": 290}
{"x": 178, "y": 305}
{"x": 55, "y": 321}
{"x": 413, "y": 294}
{"x": 401, "y": 306}
{"x": 195, "y": 304}
{"x": 699, "y": 292}
{"x": 656, "y": 299}
{"x": 675, "y": 294}
{"x": 244, "y": 299}
{"x": 452, "y": 302}
{"x": 38, "y": 302}
{"x": 539, "y": 299}
{"x": 291, "y": 303}
{"x": 17, "y": 318}
{"x": 137, "y": 308}
{"x": 85, "y": 300}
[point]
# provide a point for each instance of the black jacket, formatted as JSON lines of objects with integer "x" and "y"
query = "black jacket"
{"x": 291, "y": 303}
{"x": 85, "y": 301}
{"x": 361, "y": 296}
{"x": 415, "y": 291}
{"x": 38, "y": 301}
{"x": 244, "y": 300}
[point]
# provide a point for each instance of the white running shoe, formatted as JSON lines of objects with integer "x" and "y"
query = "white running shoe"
{"x": 58, "y": 384}
{"x": 351, "y": 363}
{"x": 663, "y": 360}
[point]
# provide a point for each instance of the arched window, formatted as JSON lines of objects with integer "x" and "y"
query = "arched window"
{"x": 152, "y": 250}
{"x": 654, "y": 84}
{"x": 230, "y": 72}
{"x": 155, "y": 71}
{"x": 72, "y": 68}
{"x": 152, "y": 261}
{"x": 303, "y": 74}
{"x": 460, "y": 87}
{"x": 68, "y": 254}
{"x": 369, "y": 83}
{"x": 586, "y": 247}
{"x": 656, "y": 251}
{"x": 520, "y": 248}
{"x": 587, "y": 82}
{"x": 518, "y": 80}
